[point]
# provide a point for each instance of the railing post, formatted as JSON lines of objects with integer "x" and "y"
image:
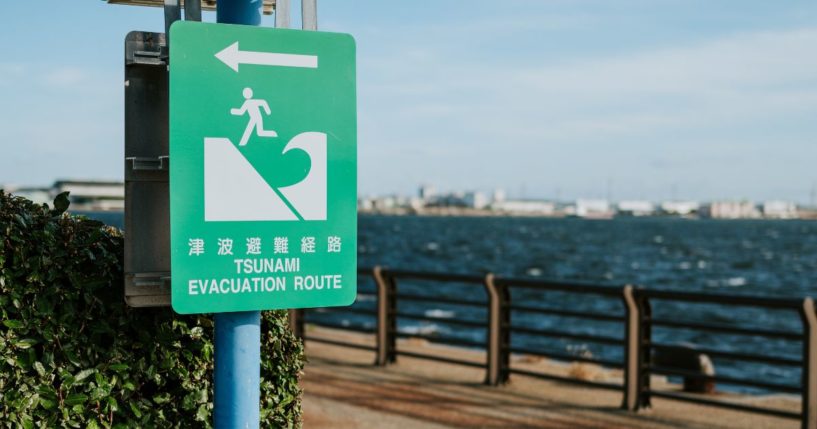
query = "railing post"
{"x": 296, "y": 322}
{"x": 809, "y": 317}
{"x": 505, "y": 332}
{"x": 630, "y": 401}
{"x": 636, "y": 357}
{"x": 498, "y": 335}
{"x": 644, "y": 349}
{"x": 386, "y": 320}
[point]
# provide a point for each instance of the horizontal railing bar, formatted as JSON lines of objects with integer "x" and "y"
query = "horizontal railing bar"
{"x": 339, "y": 343}
{"x": 611, "y": 290}
{"x": 566, "y": 313}
{"x": 460, "y": 322}
{"x": 434, "y": 276}
{"x": 723, "y": 404}
{"x": 370, "y": 294}
{"x": 440, "y": 300}
{"x": 567, "y": 379}
{"x": 712, "y": 298}
{"x": 440, "y": 359}
{"x": 342, "y": 327}
{"x": 732, "y": 355}
{"x": 724, "y": 379}
{"x": 566, "y": 358}
{"x": 562, "y": 334}
{"x": 442, "y": 340}
{"x": 335, "y": 310}
{"x": 727, "y": 329}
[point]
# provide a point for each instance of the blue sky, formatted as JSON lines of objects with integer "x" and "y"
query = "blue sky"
{"x": 697, "y": 99}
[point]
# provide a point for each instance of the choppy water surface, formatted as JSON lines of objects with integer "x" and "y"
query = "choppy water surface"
{"x": 768, "y": 258}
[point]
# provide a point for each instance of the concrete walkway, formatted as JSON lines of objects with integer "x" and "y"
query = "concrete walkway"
{"x": 342, "y": 389}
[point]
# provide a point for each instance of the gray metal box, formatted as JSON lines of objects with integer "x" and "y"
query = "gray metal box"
{"x": 147, "y": 208}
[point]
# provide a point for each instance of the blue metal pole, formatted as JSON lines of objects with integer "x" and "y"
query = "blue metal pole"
{"x": 247, "y": 12}
{"x": 237, "y": 381}
{"x": 238, "y": 370}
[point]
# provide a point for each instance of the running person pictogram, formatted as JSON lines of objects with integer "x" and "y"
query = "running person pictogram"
{"x": 253, "y": 107}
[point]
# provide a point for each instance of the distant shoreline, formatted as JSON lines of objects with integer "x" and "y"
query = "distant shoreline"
{"x": 117, "y": 217}
{"x": 470, "y": 212}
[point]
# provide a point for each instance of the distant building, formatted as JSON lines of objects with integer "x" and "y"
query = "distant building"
{"x": 427, "y": 192}
{"x": 416, "y": 203}
{"x": 731, "y": 210}
{"x": 37, "y": 195}
{"x": 475, "y": 200}
{"x": 780, "y": 210}
{"x": 365, "y": 204}
{"x": 680, "y": 208}
{"x": 498, "y": 196}
{"x": 593, "y": 209}
{"x": 383, "y": 203}
{"x": 636, "y": 208}
{"x": 525, "y": 207}
{"x": 92, "y": 194}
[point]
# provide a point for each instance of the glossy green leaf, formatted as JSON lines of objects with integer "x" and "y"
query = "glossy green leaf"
{"x": 71, "y": 351}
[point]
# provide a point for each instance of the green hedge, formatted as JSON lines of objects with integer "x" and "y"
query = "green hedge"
{"x": 73, "y": 355}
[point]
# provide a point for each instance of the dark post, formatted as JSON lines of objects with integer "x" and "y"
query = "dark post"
{"x": 296, "y": 322}
{"x": 636, "y": 379}
{"x": 505, "y": 332}
{"x": 498, "y": 335}
{"x": 173, "y": 13}
{"x": 644, "y": 349}
{"x": 192, "y": 10}
{"x": 809, "y": 318}
{"x": 631, "y": 375}
{"x": 386, "y": 320}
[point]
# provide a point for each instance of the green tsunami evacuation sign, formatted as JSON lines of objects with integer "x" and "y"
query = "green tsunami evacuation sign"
{"x": 263, "y": 168}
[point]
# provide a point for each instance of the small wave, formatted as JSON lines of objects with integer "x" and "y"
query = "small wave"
{"x": 730, "y": 282}
{"x": 429, "y": 329}
{"x": 534, "y": 272}
{"x": 684, "y": 266}
{"x": 579, "y": 350}
{"x": 768, "y": 255}
{"x": 658, "y": 239}
{"x": 432, "y": 246}
{"x": 440, "y": 314}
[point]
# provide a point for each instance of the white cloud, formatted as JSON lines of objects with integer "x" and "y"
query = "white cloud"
{"x": 740, "y": 78}
{"x": 544, "y": 121}
{"x": 738, "y": 62}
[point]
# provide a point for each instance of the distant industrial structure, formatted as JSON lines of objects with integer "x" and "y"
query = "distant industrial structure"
{"x": 432, "y": 202}
{"x": 85, "y": 195}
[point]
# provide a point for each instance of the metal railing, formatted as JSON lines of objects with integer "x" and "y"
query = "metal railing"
{"x": 635, "y": 323}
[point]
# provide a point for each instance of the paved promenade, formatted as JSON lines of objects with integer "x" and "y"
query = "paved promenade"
{"x": 343, "y": 390}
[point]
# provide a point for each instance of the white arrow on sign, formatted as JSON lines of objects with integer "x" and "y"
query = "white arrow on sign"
{"x": 232, "y": 56}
